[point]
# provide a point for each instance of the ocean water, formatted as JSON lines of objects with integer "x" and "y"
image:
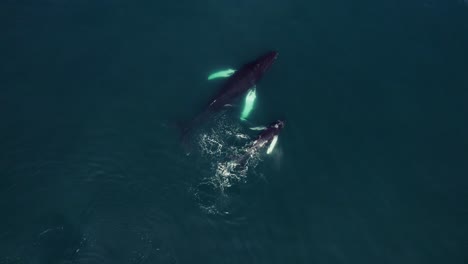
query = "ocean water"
{"x": 371, "y": 166}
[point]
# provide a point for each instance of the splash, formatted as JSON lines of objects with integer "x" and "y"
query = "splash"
{"x": 210, "y": 145}
{"x": 220, "y": 147}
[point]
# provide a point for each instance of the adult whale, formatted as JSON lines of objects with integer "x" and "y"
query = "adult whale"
{"x": 233, "y": 88}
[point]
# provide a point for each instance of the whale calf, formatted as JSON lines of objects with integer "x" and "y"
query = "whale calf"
{"x": 267, "y": 137}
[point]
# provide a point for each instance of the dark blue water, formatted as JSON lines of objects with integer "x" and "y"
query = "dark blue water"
{"x": 370, "y": 168}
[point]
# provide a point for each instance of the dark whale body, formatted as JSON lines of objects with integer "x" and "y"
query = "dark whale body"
{"x": 233, "y": 88}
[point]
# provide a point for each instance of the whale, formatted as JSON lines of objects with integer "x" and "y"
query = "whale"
{"x": 266, "y": 139}
{"x": 249, "y": 100}
{"x": 234, "y": 87}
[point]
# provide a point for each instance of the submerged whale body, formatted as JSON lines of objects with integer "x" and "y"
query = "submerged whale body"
{"x": 233, "y": 88}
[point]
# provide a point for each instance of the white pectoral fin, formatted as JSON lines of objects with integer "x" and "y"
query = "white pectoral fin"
{"x": 272, "y": 144}
{"x": 259, "y": 128}
{"x": 221, "y": 74}
{"x": 249, "y": 103}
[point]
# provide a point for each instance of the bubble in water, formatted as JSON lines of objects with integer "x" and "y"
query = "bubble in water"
{"x": 222, "y": 146}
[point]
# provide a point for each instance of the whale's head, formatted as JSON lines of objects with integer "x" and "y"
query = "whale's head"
{"x": 277, "y": 125}
{"x": 264, "y": 62}
{"x": 274, "y": 130}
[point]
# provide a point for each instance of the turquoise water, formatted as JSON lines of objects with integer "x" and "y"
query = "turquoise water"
{"x": 370, "y": 167}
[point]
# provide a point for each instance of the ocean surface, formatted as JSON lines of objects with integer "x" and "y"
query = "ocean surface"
{"x": 371, "y": 167}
